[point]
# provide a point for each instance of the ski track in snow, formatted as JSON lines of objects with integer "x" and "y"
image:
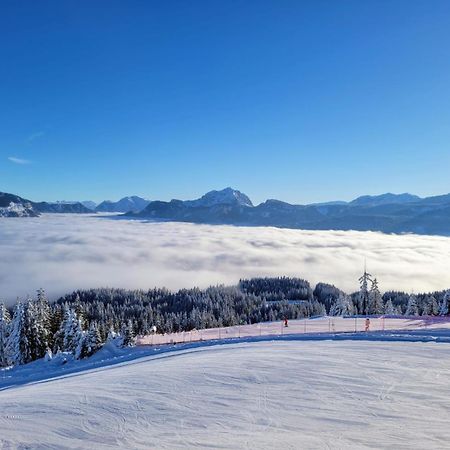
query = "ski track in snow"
{"x": 255, "y": 395}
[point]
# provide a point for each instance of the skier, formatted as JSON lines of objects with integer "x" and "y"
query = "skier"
{"x": 286, "y": 323}
{"x": 367, "y": 324}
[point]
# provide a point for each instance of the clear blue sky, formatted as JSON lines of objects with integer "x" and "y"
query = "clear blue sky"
{"x": 298, "y": 100}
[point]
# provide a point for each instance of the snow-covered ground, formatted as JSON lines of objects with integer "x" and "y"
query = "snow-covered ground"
{"x": 318, "y": 325}
{"x": 290, "y": 394}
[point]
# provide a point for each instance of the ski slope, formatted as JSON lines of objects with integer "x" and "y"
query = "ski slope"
{"x": 318, "y": 325}
{"x": 329, "y": 394}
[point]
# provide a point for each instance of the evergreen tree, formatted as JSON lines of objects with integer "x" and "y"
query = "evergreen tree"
{"x": 81, "y": 349}
{"x": 43, "y": 313}
{"x": 56, "y": 318}
{"x": 412, "y": 309}
{"x": 37, "y": 320}
{"x": 17, "y": 348}
{"x": 434, "y": 309}
{"x": 70, "y": 328}
{"x": 93, "y": 340}
{"x": 426, "y": 307}
{"x": 343, "y": 306}
{"x": 443, "y": 310}
{"x": 363, "y": 300}
{"x": 389, "y": 308}
{"x": 70, "y": 336}
{"x": 32, "y": 331}
{"x": 430, "y": 306}
{"x": 114, "y": 338}
{"x": 129, "y": 338}
{"x": 4, "y": 332}
{"x": 376, "y": 305}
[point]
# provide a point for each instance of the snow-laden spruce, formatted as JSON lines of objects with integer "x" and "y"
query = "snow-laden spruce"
{"x": 31, "y": 335}
{"x": 4, "y": 332}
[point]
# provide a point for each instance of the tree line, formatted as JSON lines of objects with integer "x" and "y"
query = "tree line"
{"x": 78, "y": 324}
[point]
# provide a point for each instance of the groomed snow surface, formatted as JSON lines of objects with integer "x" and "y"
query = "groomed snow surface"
{"x": 279, "y": 394}
{"x": 318, "y": 325}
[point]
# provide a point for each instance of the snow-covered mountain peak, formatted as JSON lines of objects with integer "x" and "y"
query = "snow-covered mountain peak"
{"x": 125, "y": 204}
{"x": 227, "y": 196}
{"x": 18, "y": 210}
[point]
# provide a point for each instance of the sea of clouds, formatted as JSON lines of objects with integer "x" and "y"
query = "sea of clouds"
{"x": 62, "y": 253}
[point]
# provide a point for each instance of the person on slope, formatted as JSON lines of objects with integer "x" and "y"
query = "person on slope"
{"x": 367, "y": 324}
{"x": 286, "y": 323}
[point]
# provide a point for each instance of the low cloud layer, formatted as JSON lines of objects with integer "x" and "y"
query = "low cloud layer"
{"x": 62, "y": 253}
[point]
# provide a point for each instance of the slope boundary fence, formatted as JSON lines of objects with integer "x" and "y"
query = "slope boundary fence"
{"x": 330, "y": 325}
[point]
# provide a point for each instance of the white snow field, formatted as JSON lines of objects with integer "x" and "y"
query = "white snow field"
{"x": 318, "y": 325}
{"x": 292, "y": 394}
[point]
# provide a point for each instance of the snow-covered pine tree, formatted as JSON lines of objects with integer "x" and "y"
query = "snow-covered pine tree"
{"x": 114, "y": 338}
{"x": 4, "y": 332}
{"x": 363, "y": 297}
{"x": 56, "y": 318}
{"x": 376, "y": 305}
{"x": 43, "y": 313}
{"x": 92, "y": 340}
{"x": 70, "y": 336}
{"x": 74, "y": 337}
{"x": 443, "y": 309}
{"x": 412, "y": 309}
{"x": 434, "y": 308}
{"x": 318, "y": 309}
{"x": 129, "y": 338}
{"x": 343, "y": 306}
{"x": 37, "y": 326}
{"x": 426, "y": 306}
{"x": 17, "y": 348}
{"x": 335, "y": 308}
{"x": 389, "y": 308}
{"x": 80, "y": 351}
{"x": 58, "y": 338}
{"x": 32, "y": 331}
{"x": 430, "y": 306}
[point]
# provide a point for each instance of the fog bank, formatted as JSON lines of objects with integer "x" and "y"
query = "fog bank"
{"x": 65, "y": 252}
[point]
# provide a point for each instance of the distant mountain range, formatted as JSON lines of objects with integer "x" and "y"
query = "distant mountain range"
{"x": 391, "y": 213}
{"x": 14, "y": 206}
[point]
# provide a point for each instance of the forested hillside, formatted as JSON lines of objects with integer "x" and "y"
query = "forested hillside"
{"x": 80, "y": 322}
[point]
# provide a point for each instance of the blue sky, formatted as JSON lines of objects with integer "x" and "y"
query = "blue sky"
{"x": 296, "y": 100}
